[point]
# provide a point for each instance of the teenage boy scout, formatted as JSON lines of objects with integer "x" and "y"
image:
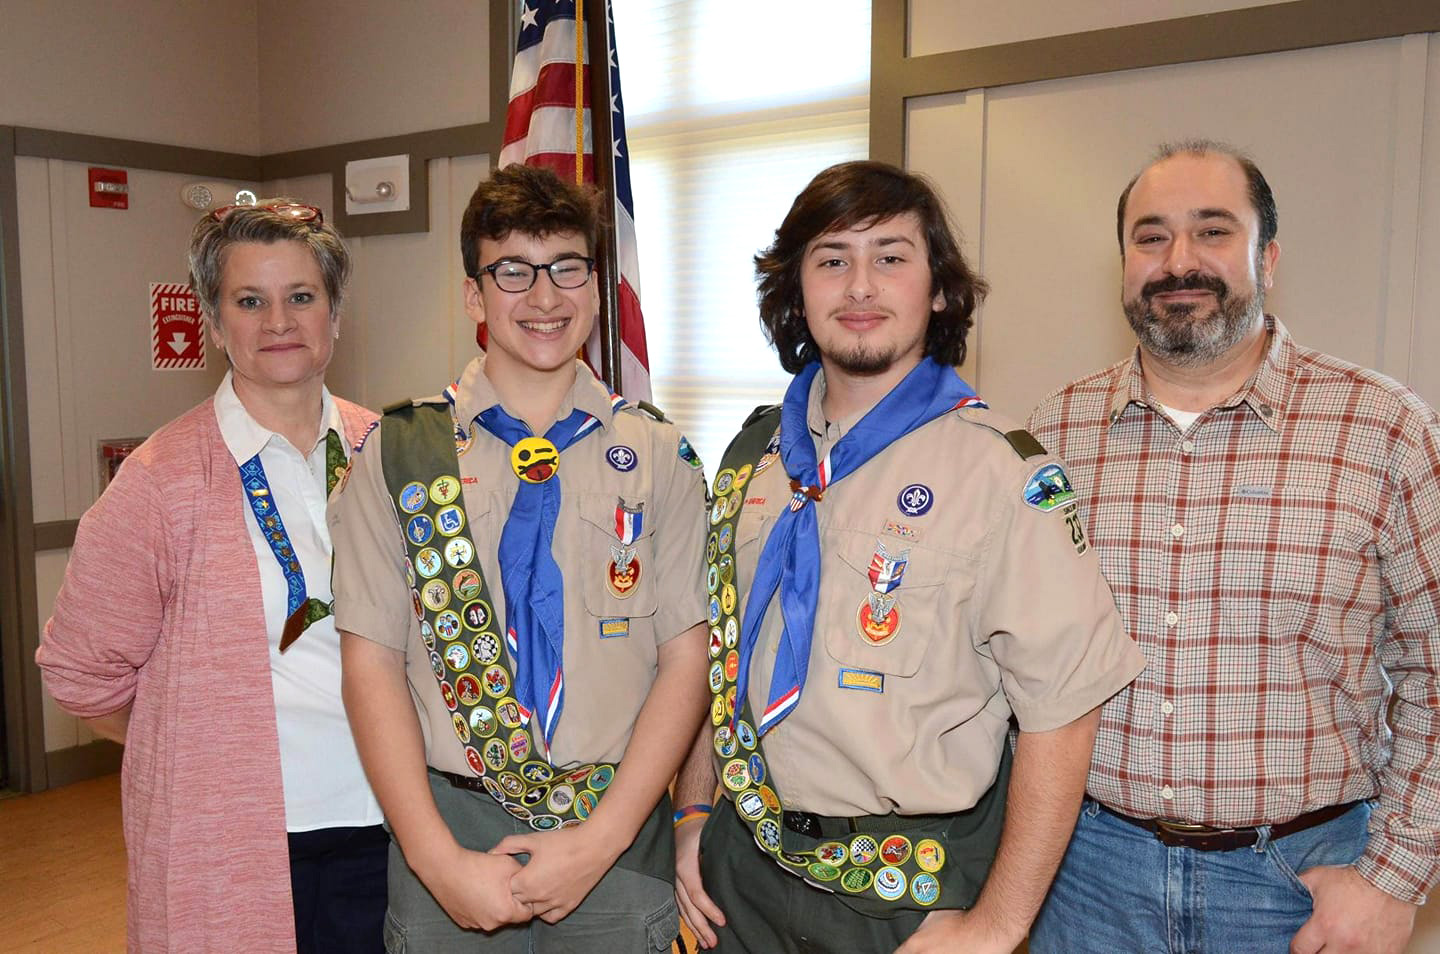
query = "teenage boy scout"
{"x": 894, "y": 571}
{"x": 517, "y": 579}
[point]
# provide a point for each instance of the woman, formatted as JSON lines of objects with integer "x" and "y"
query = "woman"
{"x": 170, "y": 633}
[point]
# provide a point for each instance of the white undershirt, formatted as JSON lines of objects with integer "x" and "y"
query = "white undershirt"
{"x": 325, "y": 786}
{"x": 1182, "y": 419}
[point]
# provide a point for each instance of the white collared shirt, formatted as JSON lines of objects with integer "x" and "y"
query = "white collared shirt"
{"x": 325, "y": 786}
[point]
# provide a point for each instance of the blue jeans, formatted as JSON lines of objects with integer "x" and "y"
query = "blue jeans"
{"x": 1119, "y": 890}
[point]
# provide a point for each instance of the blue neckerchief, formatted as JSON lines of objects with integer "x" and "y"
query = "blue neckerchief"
{"x": 790, "y": 559}
{"x": 267, "y": 514}
{"x": 534, "y": 587}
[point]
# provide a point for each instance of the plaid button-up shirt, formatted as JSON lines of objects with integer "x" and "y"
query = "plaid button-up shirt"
{"x": 1278, "y": 562}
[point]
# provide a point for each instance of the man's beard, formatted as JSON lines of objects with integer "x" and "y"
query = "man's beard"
{"x": 862, "y": 361}
{"x": 1174, "y": 334}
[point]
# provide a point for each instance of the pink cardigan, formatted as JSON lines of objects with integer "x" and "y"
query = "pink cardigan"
{"x": 161, "y": 606}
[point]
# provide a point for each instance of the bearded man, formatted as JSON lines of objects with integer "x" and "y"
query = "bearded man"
{"x": 1268, "y": 518}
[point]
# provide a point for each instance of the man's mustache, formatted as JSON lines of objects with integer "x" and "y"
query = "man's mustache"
{"x": 1191, "y": 282}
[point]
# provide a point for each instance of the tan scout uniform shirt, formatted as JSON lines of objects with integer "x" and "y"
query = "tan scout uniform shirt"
{"x": 606, "y": 680}
{"x": 998, "y": 613}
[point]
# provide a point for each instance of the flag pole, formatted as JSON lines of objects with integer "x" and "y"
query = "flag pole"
{"x": 602, "y": 136}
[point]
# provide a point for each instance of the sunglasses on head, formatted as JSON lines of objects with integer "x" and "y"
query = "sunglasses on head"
{"x": 292, "y": 211}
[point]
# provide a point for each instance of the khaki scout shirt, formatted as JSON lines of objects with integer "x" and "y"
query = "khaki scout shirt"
{"x": 1001, "y": 610}
{"x": 606, "y": 679}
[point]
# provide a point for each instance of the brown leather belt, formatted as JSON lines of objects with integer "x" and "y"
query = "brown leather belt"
{"x": 467, "y": 782}
{"x": 1204, "y": 838}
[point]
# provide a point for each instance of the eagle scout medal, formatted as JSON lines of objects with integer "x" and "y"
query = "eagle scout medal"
{"x": 623, "y": 573}
{"x": 879, "y": 618}
{"x": 457, "y": 616}
{"x": 534, "y": 459}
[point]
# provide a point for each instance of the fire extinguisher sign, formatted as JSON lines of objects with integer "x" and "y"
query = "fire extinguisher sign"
{"x": 176, "y": 333}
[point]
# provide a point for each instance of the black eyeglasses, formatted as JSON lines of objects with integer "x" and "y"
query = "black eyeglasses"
{"x": 292, "y": 211}
{"x": 515, "y": 275}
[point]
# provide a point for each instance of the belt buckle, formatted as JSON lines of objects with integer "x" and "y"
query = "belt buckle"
{"x": 1185, "y": 828}
{"x": 803, "y": 823}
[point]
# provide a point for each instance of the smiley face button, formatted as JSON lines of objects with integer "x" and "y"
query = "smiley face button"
{"x": 534, "y": 460}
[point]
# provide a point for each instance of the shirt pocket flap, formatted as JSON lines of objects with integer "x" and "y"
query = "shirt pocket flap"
{"x": 599, "y": 510}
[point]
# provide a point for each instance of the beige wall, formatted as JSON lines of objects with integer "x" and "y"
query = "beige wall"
{"x": 247, "y": 76}
{"x": 404, "y": 332}
{"x": 1033, "y": 172}
{"x": 335, "y": 71}
{"x": 1346, "y": 135}
{"x": 939, "y": 26}
{"x": 170, "y": 71}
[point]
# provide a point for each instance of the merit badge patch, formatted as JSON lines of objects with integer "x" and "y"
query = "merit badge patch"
{"x": 413, "y": 497}
{"x": 1048, "y": 488}
{"x": 862, "y": 679}
{"x": 915, "y": 500}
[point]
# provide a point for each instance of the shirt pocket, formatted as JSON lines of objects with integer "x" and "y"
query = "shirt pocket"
{"x": 610, "y": 593}
{"x": 928, "y": 600}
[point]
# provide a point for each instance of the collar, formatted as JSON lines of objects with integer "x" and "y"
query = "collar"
{"x": 475, "y": 393}
{"x": 828, "y": 432}
{"x": 244, "y": 436}
{"x": 1266, "y": 394}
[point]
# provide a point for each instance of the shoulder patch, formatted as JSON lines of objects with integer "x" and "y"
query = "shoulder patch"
{"x": 687, "y": 453}
{"x": 1048, "y": 488}
{"x": 1026, "y": 445}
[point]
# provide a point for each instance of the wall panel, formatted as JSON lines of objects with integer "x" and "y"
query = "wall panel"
{"x": 1058, "y": 153}
{"x": 168, "y": 71}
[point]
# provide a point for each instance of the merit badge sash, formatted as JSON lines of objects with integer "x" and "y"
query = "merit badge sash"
{"x": 459, "y": 628}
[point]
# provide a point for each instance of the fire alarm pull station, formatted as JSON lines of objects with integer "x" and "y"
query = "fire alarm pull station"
{"x": 109, "y": 188}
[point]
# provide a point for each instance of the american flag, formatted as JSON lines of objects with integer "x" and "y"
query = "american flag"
{"x": 542, "y": 129}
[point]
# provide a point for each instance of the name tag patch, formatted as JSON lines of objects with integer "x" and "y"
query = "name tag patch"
{"x": 862, "y": 679}
{"x": 616, "y": 626}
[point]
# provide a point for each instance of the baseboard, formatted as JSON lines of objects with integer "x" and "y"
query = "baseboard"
{"x": 75, "y": 764}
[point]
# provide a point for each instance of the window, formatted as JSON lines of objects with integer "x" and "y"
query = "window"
{"x": 731, "y": 108}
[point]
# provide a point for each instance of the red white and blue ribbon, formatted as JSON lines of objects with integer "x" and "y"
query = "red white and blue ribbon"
{"x": 629, "y": 523}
